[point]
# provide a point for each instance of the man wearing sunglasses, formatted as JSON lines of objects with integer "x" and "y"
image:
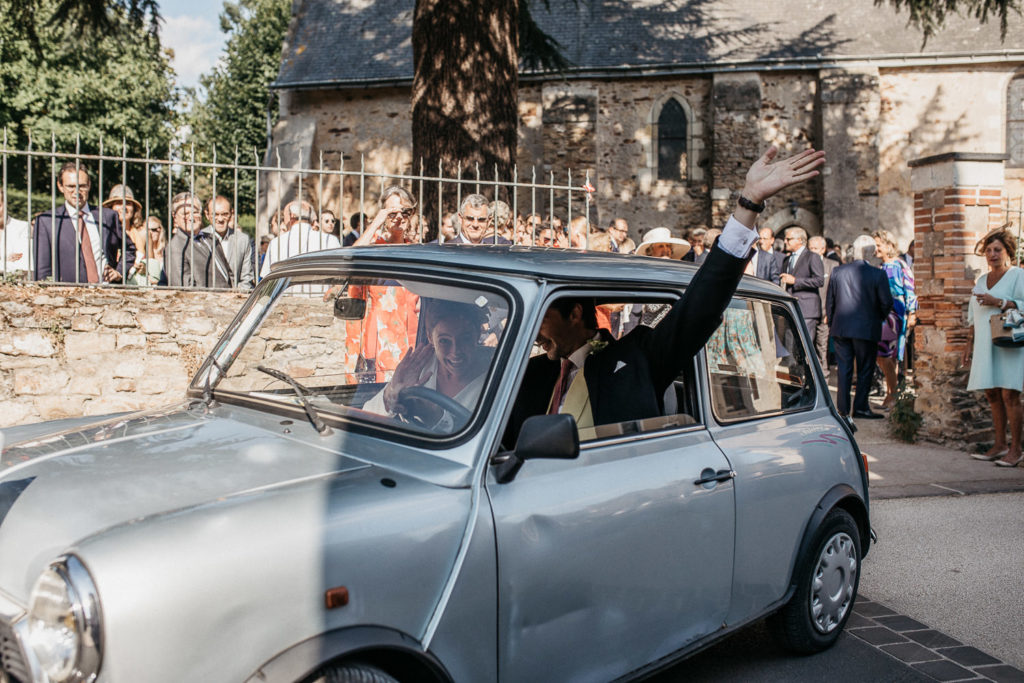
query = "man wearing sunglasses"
{"x": 476, "y": 222}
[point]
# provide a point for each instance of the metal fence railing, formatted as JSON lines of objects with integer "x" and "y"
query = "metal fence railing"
{"x": 208, "y": 223}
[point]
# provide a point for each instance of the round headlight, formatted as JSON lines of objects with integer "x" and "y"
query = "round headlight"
{"x": 63, "y": 622}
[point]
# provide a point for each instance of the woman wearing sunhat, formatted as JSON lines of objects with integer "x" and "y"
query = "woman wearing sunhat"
{"x": 660, "y": 243}
{"x": 121, "y": 200}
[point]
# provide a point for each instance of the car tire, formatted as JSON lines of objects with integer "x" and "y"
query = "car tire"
{"x": 354, "y": 672}
{"x": 826, "y": 588}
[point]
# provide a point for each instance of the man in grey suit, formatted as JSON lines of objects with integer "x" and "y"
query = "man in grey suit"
{"x": 818, "y": 245}
{"x": 236, "y": 246}
{"x": 856, "y": 303}
{"x": 802, "y": 276}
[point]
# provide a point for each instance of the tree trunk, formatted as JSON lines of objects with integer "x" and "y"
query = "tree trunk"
{"x": 464, "y": 96}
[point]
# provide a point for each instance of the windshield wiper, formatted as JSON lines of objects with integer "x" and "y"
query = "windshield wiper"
{"x": 301, "y": 392}
{"x": 207, "y": 385}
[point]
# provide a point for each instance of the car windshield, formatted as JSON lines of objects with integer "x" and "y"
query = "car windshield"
{"x": 407, "y": 353}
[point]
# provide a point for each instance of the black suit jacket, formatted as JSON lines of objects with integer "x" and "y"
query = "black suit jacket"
{"x": 118, "y": 251}
{"x": 810, "y": 275}
{"x": 857, "y": 301}
{"x": 628, "y": 377}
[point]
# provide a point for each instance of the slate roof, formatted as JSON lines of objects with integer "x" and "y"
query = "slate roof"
{"x": 369, "y": 42}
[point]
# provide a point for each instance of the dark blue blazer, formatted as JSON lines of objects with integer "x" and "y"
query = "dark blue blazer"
{"x": 769, "y": 266}
{"x": 857, "y": 301}
{"x": 118, "y": 250}
{"x": 810, "y": 276}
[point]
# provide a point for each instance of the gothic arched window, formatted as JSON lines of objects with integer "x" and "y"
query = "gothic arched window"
{"x": 672, "y": 141}
{"x": 1015, "y": 122}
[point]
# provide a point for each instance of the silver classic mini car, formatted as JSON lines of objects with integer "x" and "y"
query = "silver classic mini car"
{"x": 361, "y": 484}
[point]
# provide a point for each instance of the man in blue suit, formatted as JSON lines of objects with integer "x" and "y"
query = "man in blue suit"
{"x": 856, "y": 303}
{"x": 766, "y": 263}
{"x": 79, "y": 244}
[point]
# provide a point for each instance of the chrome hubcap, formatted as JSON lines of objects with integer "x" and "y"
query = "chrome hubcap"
{"x": 832, "y": 583}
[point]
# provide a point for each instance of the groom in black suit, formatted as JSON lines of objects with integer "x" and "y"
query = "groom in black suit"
{"x": 79, "y": 244}
{"x": 856, "y": 302}
{"x": 625, "y": 379}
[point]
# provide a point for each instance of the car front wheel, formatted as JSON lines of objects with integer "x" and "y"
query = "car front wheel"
{"x": 826, "y": 588}
{"x": 354, "y": 673}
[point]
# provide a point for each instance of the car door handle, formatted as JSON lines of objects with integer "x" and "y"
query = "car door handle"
{"x": 710, "y": 476}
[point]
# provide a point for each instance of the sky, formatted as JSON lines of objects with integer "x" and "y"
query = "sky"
{"x": 192, "y": 29}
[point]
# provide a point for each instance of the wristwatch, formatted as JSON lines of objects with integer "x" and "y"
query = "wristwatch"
{"x": 1002, "y": 304}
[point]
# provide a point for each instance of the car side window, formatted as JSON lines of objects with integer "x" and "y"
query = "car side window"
{"x": 757, "y": 363}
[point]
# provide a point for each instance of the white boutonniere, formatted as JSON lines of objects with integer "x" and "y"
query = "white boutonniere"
{"x": 597, "y": 345}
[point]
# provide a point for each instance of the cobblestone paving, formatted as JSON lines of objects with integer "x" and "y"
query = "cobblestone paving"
{"x": 928, "y": 651}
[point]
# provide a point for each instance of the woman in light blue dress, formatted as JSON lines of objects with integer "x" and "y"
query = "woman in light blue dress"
{"x": 997, "y": 370}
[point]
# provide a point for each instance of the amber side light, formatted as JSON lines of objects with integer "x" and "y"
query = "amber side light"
{"x": 336, "y": 597}
{"x": 864, "y": 457}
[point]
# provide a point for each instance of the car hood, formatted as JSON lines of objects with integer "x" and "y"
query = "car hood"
{"x": 60, "y": 488}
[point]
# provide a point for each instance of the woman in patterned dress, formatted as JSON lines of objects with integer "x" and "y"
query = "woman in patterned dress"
{"x": 902, "y": 318}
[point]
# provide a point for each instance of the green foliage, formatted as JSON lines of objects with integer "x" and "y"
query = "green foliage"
{"x": 83, "y": 85}
{"x": 930, "y": 15}
{"x": 904, "y": 421}
{"x": 239, "y": 107}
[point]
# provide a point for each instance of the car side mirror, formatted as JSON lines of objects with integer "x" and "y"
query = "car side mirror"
{"x": 541, "y": 436}
{"x": 347, "y": 308}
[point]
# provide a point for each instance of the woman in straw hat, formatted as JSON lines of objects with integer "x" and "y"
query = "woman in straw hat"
{"x": 660, "y": 243}
{"x": 121, "y": 200}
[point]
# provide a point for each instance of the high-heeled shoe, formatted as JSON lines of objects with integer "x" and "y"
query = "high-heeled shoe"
{"x": 990, "y": 457}
{"x": 1012, "y": 463}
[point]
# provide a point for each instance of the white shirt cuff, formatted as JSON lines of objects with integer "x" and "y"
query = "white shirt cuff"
{"x": 736, "y": 238}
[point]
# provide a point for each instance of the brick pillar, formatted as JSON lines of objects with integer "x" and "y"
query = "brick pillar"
{"x": 957, "y": 200}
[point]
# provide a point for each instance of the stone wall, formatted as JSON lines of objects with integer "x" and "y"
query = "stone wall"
{"x": 872, "y": 121}
{"x": 72, "y": 351}
{"x": 928, "y": 111}
{"x": 957, "y": 200}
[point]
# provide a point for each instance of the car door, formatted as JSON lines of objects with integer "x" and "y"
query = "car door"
{"x": 785, "y": 446}
{"x": 616, "y": 559}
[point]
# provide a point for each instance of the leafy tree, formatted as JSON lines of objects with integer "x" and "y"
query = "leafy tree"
{"x": 239, "y": 107}
{"x": 930, "y": 15}
{"x": 84, "y": 85}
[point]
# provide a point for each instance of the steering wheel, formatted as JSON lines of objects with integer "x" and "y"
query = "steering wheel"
{"x": 456, "y": 409}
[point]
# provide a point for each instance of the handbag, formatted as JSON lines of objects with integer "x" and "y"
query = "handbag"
{"x": 1007, "y": 328}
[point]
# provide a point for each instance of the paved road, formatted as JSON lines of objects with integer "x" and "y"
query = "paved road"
{"x": 955, "y": 563}
{"x": 945, "y": 604}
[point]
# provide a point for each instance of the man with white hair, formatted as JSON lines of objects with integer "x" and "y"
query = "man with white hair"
{"x": 476, "y": 222}
{"x": 856, "y": 303}
{"x": 297, "y": 236}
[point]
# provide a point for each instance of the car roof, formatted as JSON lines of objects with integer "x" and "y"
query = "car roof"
{"x": 555, "y": 265}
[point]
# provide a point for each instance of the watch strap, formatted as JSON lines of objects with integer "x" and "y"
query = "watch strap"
{"x": 749, "y": 205}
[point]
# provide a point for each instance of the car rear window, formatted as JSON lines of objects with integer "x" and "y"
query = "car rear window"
{"x": 757, "y": 363}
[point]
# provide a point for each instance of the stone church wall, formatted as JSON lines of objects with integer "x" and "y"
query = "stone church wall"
{"x": 928, "y": 111}
{"x": 870, "y": 121}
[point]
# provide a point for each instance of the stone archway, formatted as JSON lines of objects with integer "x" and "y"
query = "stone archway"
{"x": 790, "y": 218}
